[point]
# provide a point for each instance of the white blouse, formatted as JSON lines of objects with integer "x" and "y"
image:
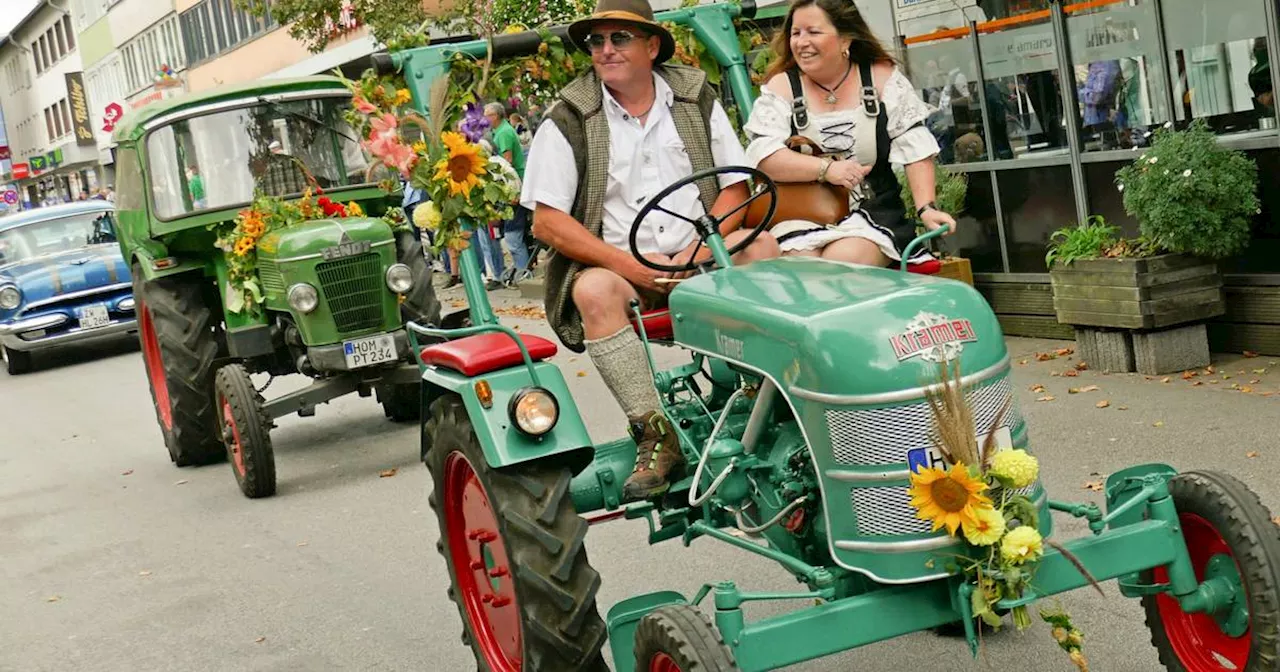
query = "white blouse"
{"x": 770, "y": 125}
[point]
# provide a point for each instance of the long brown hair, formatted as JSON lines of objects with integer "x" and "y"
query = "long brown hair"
{"x": 848, "y": 21}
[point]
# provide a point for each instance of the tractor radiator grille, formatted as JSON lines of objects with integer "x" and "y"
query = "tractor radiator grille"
{"x": 882, "y": 436}
{"x": 269, "y": 276}
{"x": 353, "y": 289}
{"x": 887, "y": 511}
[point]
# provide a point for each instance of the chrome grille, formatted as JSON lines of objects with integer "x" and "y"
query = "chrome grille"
{"x": 269, "y": 276}
{"x": 882, "y": 436}
{"x": 353, "y": 290}
{"x": 886, "y": 511}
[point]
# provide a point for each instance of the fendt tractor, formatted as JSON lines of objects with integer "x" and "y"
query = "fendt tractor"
{"x": 335, "y": 290}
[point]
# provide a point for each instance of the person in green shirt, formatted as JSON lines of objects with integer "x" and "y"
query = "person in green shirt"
{"x": 195, "y": 183}
{"x": 506, "y": 143}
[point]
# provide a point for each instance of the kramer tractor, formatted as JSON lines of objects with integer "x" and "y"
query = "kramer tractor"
{"x": 805, "y": 411}
{"x": 332, "y": 290}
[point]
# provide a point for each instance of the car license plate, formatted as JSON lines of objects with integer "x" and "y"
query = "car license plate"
{"x": 918, "y": 458}
{"x": 94, "y": 317}
{"x": 369, "y": 350}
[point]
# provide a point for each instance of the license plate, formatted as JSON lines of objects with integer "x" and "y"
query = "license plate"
{"x": 918, "y": 458}
{"x": 369, "y": 350}
{"x": 94, "y": 317}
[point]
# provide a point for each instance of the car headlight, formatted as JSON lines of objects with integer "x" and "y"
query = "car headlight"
{"x": 534, "y": 410}
{"x": 126, "y": 304}
{"x": 303, "y": 298}
{"x": 399, "y": 278}
{"x": 10, "y": 297}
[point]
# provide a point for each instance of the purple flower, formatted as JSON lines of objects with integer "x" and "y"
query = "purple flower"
{"x": 474, "y": 123}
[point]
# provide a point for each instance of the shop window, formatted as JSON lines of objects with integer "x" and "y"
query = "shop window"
{"x": 1264, "y": 245}
{"x": 1105, "y": 197}
{"x": 944, "y": 74}
{"x": 1019, "y": 59}
{"x": 978, "y": 231}
{"x": 1218, "y": 63}
{"x": 1035, "y": 202}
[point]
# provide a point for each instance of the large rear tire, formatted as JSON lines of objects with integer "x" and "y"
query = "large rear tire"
{"x": 246, "y": 432}
{"x": 420, "y": 303}
{"x": 679, "y": 638}
{"x": 179, "y": 345}
{"x": 1228, "y": 531}
{"x": 514, "y": 548}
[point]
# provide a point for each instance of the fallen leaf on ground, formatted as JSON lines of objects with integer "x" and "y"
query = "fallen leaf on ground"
{"x": 1047, "y": 397}
{"x": 1063, "y": 352}
{"x": 1045, "y": 356}
{"x": 1163, "y": 380}
{"x": 515, "y": 327}
{"x": 182, "y": 482}
{"x": 144, "y": 573}
{"x": 1259, "y": 371}
{"x": 1267, "y": 394}
{"x": 52, "y": 598}
{"x": 1088, "y": 388}
{"x": 1213, "y": 382}
{"x": 573, "y": 359}
{"x": 259, "y": 640}
{"x": 1122, "y": 408}
{"x": 1255, "y": 381}
{"x": 1252, "y": 454}
{"x": 1276, "y": 520}
{"x": 126, "y": 472}
{"x": 1158, "y": 423}
{"x": 1103, "y": 404}
{"x": 1037, "y": 388}
{"x": 1095, "y": 486}
{"x": 1226, "y": 377}
{"x": 1055, "y": 374}
{"x": 527, "y": 312}
{"x": 1188, "y": 375}
{"x": 582, "y": 374}
{"x": 1198, "y": 382}
{"x": 386, "y": 473}
{"x": 1246, "y": 389}
{"x": 1071, "y": 373}
{"x": 457, "y": 304}
{"x": 1082, "y": 366}
{"x": 302, "y": 543}
{"x": 1022, "y": 362}
{"x": 1209, "y": 370}
{"x": 1250, "y": 354}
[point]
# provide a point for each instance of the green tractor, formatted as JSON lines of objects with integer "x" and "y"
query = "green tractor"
{"x": 803, "y": 412}
{"x": 334, "y": 291}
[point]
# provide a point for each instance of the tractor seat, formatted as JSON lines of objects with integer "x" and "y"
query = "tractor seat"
{"x": 930, "y": 267}
{"x": 484, "y": 353}
{"x": 657, "y": 325}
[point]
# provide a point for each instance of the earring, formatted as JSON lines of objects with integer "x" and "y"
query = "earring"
{"x": 846, "y": 53}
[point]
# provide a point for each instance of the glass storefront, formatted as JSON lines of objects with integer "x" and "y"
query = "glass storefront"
{"x": 1003, "y": 75}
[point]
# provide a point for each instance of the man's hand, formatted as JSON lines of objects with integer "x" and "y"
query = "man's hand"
{"x": 646, "y": 278}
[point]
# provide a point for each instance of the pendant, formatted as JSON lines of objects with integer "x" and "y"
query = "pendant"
{"x": 831, "y": 99}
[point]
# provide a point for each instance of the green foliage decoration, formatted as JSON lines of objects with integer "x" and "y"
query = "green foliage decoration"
{"x": 316, "y": 23}
{"x": 1096, "y": 239}
{"x": 950, "y": 190}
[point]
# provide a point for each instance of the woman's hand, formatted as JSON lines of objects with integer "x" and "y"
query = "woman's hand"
{"x": 933, "y": 218}
{"x": 847, "y": 173}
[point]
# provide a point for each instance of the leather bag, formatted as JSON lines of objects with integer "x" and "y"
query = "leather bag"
{"x": 817, "y": 202}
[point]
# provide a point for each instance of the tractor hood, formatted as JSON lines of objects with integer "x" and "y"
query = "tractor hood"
{"x": 835, "y": 328}
{"x": 325, "y": 239}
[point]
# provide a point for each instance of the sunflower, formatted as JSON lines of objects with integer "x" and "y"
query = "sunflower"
{"x": 947, "y": 498}
{"x": 462, "y": 169}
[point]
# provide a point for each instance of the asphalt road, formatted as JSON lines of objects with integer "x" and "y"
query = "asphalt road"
{"x": 112, "y": 559}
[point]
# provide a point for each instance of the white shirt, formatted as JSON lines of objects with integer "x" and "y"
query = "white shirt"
{"x": 643, "y": 160}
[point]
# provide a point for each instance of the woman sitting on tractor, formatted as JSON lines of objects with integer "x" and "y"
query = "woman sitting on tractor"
{"x": 825, "y": 54}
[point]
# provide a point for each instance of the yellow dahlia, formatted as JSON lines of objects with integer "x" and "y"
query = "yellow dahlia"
{"x": 1015, "y": 466}
{"x": 947, "y": 498}
{"x": 1021, "y": 544}
{"x": 402, "y": 96}
{"x": 427, "y": 216}
{"x": 354, "y": 210}
{"x": 461, "y": 170}
{"x": 987, "y": 528}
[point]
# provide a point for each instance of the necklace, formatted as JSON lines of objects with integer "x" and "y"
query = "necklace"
{"x": 831, "y": 92}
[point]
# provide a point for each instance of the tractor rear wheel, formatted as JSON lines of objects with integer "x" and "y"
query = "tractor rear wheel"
{"x": 16, "y": 362}
{"x": 179, "y": 345}
{"x": 514, "y": 548}
{"x": 401, "y": 402}
{"x": 246, "y": 432}
{"x": 1230, "y": 535}
{"x": 679, "y": 638}
{"x": 420, "y": 304}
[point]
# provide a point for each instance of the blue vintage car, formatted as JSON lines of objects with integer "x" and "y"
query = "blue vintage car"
{"x": 62, "y": 280}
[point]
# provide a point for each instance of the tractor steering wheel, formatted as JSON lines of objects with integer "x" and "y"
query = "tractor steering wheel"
{"x": 707, "y": 225}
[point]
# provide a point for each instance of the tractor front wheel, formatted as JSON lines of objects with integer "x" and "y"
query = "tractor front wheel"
{"x": 179, "y": 345}
{"x": 1230, "y": 536}
{"x": 401, "y": 402}
{"x": 514, "y": 548}
{"x": 420, "y": 303}
{"x": 246, "y": 432}
{"x": 680, "y": 639}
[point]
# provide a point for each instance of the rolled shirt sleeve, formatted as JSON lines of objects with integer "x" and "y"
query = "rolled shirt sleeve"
{"x": 910, "y": 141}
{"x": 553, "y": 180}
{"x": 726, "y": 150}
{"x": 768, "y": 128}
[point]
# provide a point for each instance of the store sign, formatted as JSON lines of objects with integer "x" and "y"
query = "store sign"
{"x": 79, "y": 108}
{"x": 54, "y": 158}
{"x": 110, "y": 116}
{"x": 4, "y": 153}
{"x": 39, "y": 164}
{"x": 11, "y": 197}
{"x": 21, "y": 171}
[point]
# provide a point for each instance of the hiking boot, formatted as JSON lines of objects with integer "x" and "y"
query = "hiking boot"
{"x": 657, "y": 456}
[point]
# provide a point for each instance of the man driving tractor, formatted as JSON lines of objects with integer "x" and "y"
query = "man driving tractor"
{"x": 616, "y": 137}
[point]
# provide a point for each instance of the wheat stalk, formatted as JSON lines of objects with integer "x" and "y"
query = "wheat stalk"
{"x": 953, "y": 429}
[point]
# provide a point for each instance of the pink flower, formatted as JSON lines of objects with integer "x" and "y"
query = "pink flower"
{"x": 363, "y": 106}
{"x": 386, "y": 124}
{"x": 401, "y": 157}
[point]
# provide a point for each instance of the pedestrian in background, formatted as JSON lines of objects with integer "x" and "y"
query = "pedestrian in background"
{"x": 506, "y": 144}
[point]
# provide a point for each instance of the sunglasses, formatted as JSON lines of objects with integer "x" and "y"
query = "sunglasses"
{"x": 619, "y": 39}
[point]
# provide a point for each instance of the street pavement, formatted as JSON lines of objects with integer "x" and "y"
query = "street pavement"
{"x": 113, "y": 559}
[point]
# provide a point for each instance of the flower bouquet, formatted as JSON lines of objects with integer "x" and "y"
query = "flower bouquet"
{"x": 976, "y": 500}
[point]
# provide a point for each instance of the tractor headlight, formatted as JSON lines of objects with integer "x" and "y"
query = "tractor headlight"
{"x": 10, "y": 297}
{"x": 399, "y": 278}
{"x": 303, "y": 298}
{"x": 534, "y": 411}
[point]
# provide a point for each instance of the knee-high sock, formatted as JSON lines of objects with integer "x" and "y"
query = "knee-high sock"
{"x": 621, "y": 360}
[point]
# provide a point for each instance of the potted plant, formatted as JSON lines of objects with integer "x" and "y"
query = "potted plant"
{"x": 1193, "y": 201}
{"x": 951, "y": 190}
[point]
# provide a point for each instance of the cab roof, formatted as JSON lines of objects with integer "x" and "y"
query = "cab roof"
{"x": 131, "y": 125}
{"x": 53, "y": 212}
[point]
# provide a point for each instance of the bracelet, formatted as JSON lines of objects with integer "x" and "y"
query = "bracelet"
{"x": 822, "y": 172}
{"x": 927, "y": 206}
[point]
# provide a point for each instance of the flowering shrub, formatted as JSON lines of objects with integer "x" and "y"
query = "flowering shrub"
{"x": 975, "y": 501}
{"x": 1191, "y": 195}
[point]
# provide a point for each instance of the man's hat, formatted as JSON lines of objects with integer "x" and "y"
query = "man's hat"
{"x": 634, "y": 12}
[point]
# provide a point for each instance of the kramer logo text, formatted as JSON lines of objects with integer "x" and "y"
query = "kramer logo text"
{"x": 933, "y": 338}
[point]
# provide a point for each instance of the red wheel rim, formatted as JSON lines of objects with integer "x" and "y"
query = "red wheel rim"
{"x": 480, "y": 563}
{"x": 661, "y": 662}
{"x": 1198, "y": 641}
{"x": 233, "y": 442}
{"x": 155, "y": 365}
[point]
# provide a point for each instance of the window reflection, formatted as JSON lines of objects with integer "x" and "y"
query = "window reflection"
{"x": 1021, "y": 65}
{"x": 944, "y": 73}
{"x": 1218, "y": 63}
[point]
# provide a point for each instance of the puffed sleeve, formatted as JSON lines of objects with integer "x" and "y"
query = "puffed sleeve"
{"x": 768, "y": 128}
{"x": 911, "y": 140}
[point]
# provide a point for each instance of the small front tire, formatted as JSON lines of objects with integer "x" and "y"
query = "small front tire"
{"x": 679, "y": 638}
{"x": 16, "y": 362}
{"x": 401, "y": 402}
{"x": 246, "y": 432}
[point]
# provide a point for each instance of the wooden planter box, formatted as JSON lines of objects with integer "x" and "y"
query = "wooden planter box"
{"x": 1151, "y": 293}
{"x": 956, "y": 268}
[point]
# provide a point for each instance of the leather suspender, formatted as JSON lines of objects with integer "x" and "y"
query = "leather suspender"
{"x": 871, "y": 108}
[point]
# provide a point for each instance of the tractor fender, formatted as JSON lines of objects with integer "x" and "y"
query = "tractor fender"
{"x": 146, "y": 258}
{"x": 504, "y": 444}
